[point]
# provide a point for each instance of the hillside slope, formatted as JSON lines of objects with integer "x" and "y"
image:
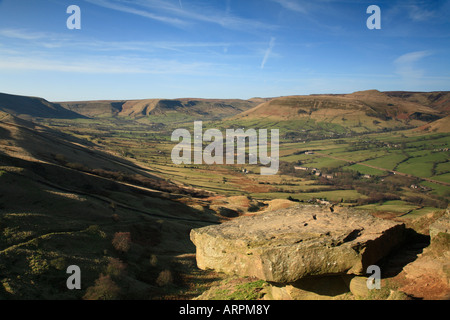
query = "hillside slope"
{"x": 201, "y": 109}
{"x": 101, "y": 108}
{"x": 360, "y": 111}
{"x": 439, "y": 100}
{"x": 34, "y": 107}
{"x": 64, "y": 203}
{"x": 441, "y": 125}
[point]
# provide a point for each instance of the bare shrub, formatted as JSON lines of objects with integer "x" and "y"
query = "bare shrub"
{"x": 153, "y": 260}
{"x": 122, "y": 241}
{"x": 116, "y": 268}
{"x": 104, "y": 289}
{"x": 165, "y": 278}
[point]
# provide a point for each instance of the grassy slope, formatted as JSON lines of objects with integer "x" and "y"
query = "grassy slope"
{"x": 52, "y": 216}
{"x": 34, "y": 107}
{"x": 161, "y": 110}
{"x": 358, "y": 112}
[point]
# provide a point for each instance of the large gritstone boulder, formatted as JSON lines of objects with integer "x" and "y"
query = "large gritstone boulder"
{"x": 290, "y": 244}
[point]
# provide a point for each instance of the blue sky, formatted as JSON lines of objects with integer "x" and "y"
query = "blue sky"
{"x": 221, "y": 48}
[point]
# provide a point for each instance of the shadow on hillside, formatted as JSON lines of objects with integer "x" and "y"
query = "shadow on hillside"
{"x": 83, "y": 150}
{"x": 51, "y": 146}
{"x": 35, "y": 107}
{"x": 64, "y": 217}
{"x": 104, "y": 190}
{"x": 47, "y": 144}
{"x": 4, "y": 134}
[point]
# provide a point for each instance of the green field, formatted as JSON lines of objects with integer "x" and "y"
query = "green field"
{"x": 422, "y": 166}
{"x": 443, "y": 177}
{"x": 421, "y": 212}
{"x": 358, "y": 156}
{"x": 334, "y": 195}
{"x": 442, "y": 168}
{"x": 388, "y": 162}
{"x": 324, "y": 162}
{"x": 408, "y": 152}
{"x": 397, "y": 206}
{"x": 365, "y": 170}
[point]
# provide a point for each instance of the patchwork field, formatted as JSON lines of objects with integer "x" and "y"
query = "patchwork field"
{"x": 371, "y": 158}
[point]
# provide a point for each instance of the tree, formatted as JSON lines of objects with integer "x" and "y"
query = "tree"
{"x": 116, "y": 268}
{"x": 165, "y": 278}
{"x": 104, "y": 289}
{"x": 122, "y": 241}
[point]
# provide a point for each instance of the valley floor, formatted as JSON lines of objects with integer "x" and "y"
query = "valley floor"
{"x": 103, "y": 194}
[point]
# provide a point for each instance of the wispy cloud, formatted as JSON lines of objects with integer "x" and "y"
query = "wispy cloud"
{"x": 268, "y": 52}
{"x": 417, "y": 13}
{"x": 312, "y": 14}
{"x": 176, "y": 14}
{"x": 43, "y": 51}
{"x": 406, "y": 64}
{"x": 20, "y": 34}
{"x": 45, "y": 40}
{"x": 291, "y": 5}
{"x": 121, "y": 6}
{"x": 104, "y": 65}
{"x": 23, "y": 34}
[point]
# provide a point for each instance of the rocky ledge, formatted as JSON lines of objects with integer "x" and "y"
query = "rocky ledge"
{"x": 287, "y": 245}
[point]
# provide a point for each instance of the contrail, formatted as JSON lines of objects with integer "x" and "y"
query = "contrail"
{"x": 268, "y": 52}
{"x": 181, "y": 5}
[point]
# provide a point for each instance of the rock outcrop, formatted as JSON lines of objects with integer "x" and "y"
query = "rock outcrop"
{"x": 442, "y": 225}
{"x": 287, "y": 245}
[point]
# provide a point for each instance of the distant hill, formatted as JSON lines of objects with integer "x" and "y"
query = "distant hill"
{"x": 206, "y": 109}
{"x": 34, "y": 107}
{"x": 439, "y": 100}
{"x": 101, "y": 108}
{"x": 441, "y": 125}
{"x": 361, "y": 111}
{"x": 371, "y": 110}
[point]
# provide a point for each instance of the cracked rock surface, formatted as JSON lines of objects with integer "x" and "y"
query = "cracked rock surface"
{"x": 290, "y": 244}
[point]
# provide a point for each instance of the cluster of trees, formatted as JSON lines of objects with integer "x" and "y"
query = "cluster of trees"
{"x": 376, "y": 189}
{"x": 429, "y": 201}
{"x": 120, "y": 279}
